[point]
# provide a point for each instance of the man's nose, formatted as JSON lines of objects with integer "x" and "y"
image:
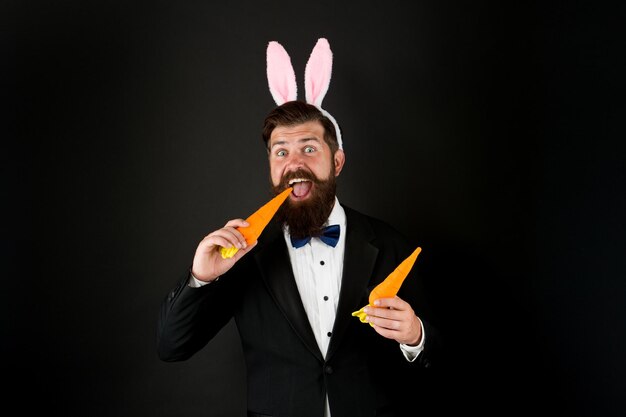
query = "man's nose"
{"x": 294, "y": 162}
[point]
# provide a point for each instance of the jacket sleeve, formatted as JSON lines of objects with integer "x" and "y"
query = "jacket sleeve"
{"x": 190, "y": 317}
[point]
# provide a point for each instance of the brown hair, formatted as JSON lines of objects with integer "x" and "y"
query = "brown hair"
{"x": 297, "y": 112}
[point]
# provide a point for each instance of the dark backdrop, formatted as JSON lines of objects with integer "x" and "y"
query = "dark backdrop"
{"x": 490, "y": 132}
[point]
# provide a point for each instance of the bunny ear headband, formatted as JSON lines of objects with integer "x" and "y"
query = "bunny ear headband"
{"x": 282, "y": 79}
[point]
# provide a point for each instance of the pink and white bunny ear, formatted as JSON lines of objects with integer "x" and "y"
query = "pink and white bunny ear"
{"x": 280, "y": 75}
{"x": 317, "y": 73}
{"x": 317, "y": 79}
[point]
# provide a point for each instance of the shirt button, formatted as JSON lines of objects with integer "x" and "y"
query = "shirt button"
{"x": 325, "y": 298}
{"x": 329, "y": 334}
{"x": 322, "y": 262}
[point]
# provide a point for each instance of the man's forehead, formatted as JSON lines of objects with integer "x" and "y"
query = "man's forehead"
{"x": 309, "y": 131}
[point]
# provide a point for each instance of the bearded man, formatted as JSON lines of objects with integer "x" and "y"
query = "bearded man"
{"x": 292, "y": 293}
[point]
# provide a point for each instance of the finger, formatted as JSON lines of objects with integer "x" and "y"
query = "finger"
{"x": 396, "y": 335}
{"x": 233, "y": 238}
{"x": 237, "y": 223}
{"x": 383, "y": 312}
{"x": 234, "y": 225}
{"x": 241, "y": 240}
{"x": 390, "y": 325}
{"x": 242, "y": 252}
{"x": 395, "y": 303}
{"x": 225, "y": 241}
{"x": 231, "y": 235}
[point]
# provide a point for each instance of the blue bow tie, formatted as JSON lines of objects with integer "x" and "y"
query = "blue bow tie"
{"x": 330, "y": 236}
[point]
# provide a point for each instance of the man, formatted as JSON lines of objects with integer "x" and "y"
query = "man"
{"x": 306, "y": 355}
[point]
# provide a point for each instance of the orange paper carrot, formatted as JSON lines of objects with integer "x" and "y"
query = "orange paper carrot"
{"x": 258, "y": 220}
{"x": 391, "y": 285}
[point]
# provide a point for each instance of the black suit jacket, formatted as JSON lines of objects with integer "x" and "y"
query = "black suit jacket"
{"x": 364, "y": 374}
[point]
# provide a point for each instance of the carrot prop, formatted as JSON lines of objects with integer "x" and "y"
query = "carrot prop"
{"x": 391, "y": 285}
{"x": 258, "y": 220}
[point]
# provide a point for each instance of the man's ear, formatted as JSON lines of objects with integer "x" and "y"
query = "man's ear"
{"x": 340, "y": 159}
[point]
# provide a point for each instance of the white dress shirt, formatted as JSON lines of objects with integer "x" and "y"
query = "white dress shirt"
{"x": 317, "y": 268}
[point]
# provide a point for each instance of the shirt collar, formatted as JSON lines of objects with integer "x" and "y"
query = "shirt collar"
{"x": 337, "y": 215}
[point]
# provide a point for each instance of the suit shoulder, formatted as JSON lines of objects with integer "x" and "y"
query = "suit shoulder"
{"x": 381, "y": 229}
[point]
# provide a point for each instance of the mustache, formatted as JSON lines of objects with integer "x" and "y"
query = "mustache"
{"x": 299, "y": 173}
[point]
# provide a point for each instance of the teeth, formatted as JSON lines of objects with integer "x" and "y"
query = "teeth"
{"x": 295, "y": 180}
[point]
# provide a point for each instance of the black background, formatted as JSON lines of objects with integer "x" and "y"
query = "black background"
{"x": 490, "y": 132}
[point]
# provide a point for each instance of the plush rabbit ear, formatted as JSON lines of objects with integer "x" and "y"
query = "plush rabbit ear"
{"x": 280, "y": 74}
{"x": 317, "y": 73}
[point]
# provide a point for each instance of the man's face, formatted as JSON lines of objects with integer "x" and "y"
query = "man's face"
{"x": 302, "y": 148}
{"x": 299, "y": 157}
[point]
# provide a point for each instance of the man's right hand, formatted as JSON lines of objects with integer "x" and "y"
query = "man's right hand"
{"x": 208, "y": 263}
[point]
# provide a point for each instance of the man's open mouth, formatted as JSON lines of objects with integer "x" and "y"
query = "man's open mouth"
{"x": 301, "y": 187}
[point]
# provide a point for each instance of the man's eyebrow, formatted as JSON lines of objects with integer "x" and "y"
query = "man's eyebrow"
{"x": 302, "y": 140}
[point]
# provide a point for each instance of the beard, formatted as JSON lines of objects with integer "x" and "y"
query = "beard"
{"x": 307, "y": 218}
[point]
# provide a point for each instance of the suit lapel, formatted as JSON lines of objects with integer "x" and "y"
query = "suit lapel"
{"x": 273, "y": 261}
{"x": 359, "y": 259}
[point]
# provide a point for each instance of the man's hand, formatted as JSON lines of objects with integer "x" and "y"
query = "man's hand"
{"x": 208, "y": 263}
{"x": 394, "y": 319}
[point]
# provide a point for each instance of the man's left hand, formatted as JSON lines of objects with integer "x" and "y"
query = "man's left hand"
{"x": 394, "y": 318}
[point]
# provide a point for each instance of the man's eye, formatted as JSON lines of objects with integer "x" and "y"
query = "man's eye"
{"x": 309, "y": 149}
{"x": 281, "y": 153}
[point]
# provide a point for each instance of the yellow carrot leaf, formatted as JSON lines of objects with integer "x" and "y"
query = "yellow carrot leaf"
{"x": 361, "y": 315}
